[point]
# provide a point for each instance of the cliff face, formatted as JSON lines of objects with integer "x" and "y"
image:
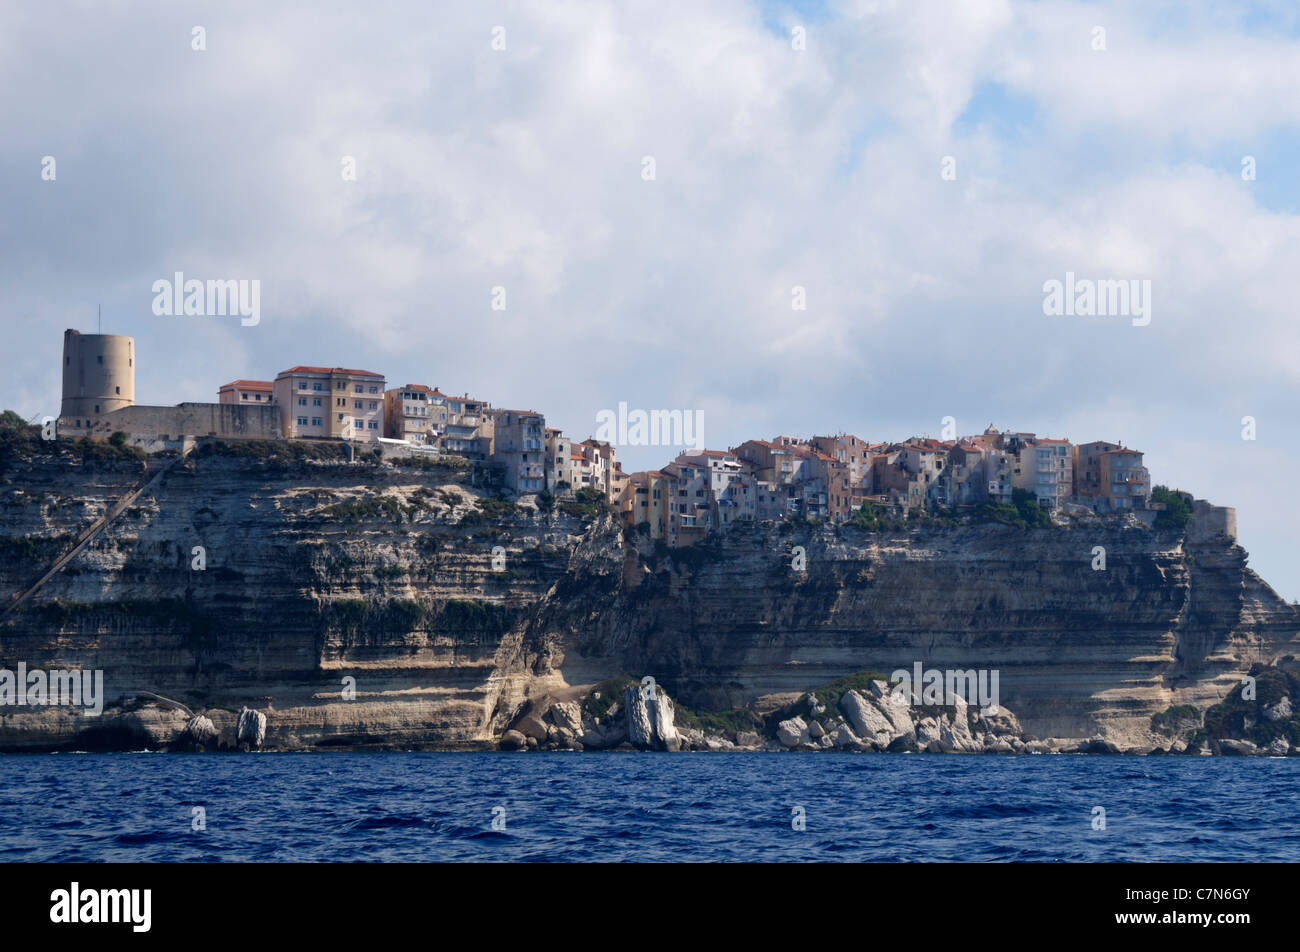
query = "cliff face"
{"x": 1078, "y": 651}
{"x": 361, "y": 603}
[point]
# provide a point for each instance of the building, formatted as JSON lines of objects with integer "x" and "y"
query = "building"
{"x": 1043, "y": 467}
{"x": 560, "y": 461}
{"x": 330, "y": 403}
{"x": 644, "y": 505}
{"x": 689, "y": 503}
{"x": 593, "y": 467}
{"x": 245, "y": 392}
{"x": 408, "y": 414}
{"x": 771, "y": 462}
{"x": 848, "y": 449}
{"x": 1110, "y": 477}
{"x": 466, "y": 426}
{"x": 520, "y": 445}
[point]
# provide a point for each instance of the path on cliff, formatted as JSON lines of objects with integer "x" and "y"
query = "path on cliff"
{"x": 91, "y": 533}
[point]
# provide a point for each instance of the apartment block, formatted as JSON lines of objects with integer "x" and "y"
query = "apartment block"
{"x": 408, "y": 414}
{"x": 1109, "y": 476}
{"x": 519, "y": 443}
{"x": 466, "y": 426}
{"x": 330, "y": 403}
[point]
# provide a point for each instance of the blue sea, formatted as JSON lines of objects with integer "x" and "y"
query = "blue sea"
{"x": 344, "y": 807}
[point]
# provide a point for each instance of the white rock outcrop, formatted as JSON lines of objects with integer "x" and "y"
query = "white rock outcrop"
{"x": 650, "y": 718}
{"x": 792, "y": 732}
{"x": 867, "y": 720}
{"x": 250, "y": 729}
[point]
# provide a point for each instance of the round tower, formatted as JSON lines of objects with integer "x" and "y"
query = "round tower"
{"x": 98, "y": 373}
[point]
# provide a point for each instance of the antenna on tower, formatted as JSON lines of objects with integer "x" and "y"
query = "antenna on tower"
{"x": 101, "y": 318}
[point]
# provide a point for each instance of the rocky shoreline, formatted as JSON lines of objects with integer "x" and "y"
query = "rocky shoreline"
{"x": 876, "y": 720}
{"x": 861, "y": 714}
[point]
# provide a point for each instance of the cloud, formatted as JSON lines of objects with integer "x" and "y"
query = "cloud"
{"x": 775, "y": 167}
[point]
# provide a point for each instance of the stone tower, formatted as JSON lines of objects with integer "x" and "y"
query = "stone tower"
{"x": 98, "y": 373}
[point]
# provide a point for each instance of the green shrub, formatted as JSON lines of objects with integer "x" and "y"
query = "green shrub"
{"x": 1231, "y": 716}
{"x": 493, "y": 508}
{"x": 369, "y": 507}
{"x": 1178, "y": 508}
{"x": 282, "y": 451}
{"x": 605, "y": 694}
{"x": 1033, "y": 515}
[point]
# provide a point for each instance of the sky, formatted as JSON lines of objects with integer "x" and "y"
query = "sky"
{"x": 920, "y": 170}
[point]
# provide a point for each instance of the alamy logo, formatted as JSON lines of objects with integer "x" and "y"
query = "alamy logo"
{"x": 1088, "y": 298}
{"x": 932, "y": 686}
{"x": 58, "y": 688}
{"x": 194, "y": 298}
{"x": 103, "y": 905}
{"x": 650, "y": 427}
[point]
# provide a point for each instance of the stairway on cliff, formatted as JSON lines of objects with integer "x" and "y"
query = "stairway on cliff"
{"x": 90, "y": 533}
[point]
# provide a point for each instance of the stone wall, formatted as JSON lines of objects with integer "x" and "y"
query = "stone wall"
{"x": 145, "y": 424}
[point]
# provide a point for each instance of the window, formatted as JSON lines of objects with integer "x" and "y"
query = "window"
{"x": 376, "y": 390}
{"x": 97, "y": 408}
{"x": 302, "y": 421}
{"x": 356, "y": 404}
{"x": 302, "y": 401}
{"x": 317, "y": 421}
{"x": 359, "y": 389}
{"x": 316, "y": 386}
{"x": 374, "y": 404}
{"x": 100, "y": 358}
{"x": 374, "y": 424}
{"x": 340, "y": 417}
{"x": 244, "y": 395}
{"x": 302, "y": 385}
{"x": 117, "y": 390}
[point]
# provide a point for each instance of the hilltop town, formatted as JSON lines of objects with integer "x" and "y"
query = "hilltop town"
{"x": 836, "y": 478}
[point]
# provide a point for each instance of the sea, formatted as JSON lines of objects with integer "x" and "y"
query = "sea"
{"x": 645, "y": 807}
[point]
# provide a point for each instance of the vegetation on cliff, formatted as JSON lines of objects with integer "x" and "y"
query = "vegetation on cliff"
{"x": 1270, "y": 714}
{"x": 1178, "y": 508}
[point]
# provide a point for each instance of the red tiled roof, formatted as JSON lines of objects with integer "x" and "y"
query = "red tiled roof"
{"x": 1043, "y": 439}
{"x": 247, "y": 385}
{"x": 303, "y": 369}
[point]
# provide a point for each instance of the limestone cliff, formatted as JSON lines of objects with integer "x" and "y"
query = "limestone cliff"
{"x": 370, "y": 603}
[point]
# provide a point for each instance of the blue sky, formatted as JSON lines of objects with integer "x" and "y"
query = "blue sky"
{"x": 818, "y": 168}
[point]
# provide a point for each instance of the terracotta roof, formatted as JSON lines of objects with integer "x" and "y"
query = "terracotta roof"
{"x": 247, "y": 385}
{"x": 417, "y": 386}
{"x": 303, "y": 369}
{"x": 1133, "y": 452}
{"x": 1043, "y": 439}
